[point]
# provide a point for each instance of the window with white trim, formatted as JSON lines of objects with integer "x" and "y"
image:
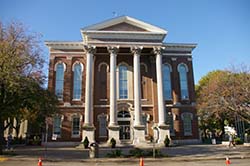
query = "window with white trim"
{"x": 187, "y": 123}
{"x": 57, "y": 122}
{"x": 123, "y": 82}
{"x": 167, "y": 89}
{"x": 75, "y": 126}
{"x": 182, "y": 68}
{"x": 77, "y": 85}
{"x": 59, "y": 80}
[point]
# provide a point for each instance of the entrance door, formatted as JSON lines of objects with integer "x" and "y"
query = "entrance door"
{"x": 124, "y": 123}
{"x": 124, "y": 130}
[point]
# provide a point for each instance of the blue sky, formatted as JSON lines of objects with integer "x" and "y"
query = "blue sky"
{"x": 221, "y": 28}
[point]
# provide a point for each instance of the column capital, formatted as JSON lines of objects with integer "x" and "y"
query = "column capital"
{"x": 113, "y": 49}
{"x": 136, "y": 50}
{"x": 90, "y": 49}
{"x": 158, "y": 50}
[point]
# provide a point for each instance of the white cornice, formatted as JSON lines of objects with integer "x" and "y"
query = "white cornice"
{"x": 186, "y": 47}
{"x": 64, "y": 45}
{"x": 133, "y": 35}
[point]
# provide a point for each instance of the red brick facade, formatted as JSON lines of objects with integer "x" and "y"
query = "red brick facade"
{"x": 172, "y": 55}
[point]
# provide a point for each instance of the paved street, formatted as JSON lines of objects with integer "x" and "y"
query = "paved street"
{"x": 236, "y": 162}
{"x": 186, "y": 155}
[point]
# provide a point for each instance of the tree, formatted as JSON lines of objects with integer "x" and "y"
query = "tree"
{"x": 221, "y": 96}
{"x": 21, "y": 77}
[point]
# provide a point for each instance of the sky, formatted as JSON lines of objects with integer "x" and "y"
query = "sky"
{"x": 221, "y": 28}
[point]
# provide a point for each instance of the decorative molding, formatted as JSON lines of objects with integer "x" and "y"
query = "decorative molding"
{"x": 64, "y": 45}
{"x": 100, "y": 65}
{"x": 158, "y": 50}
{"x": 60, "y": 62}
{"x": 167, "y": 64}
{"x": 178, "y": 67}
{"x": 136, "y": 50}
{"x": 75, "y": 63}
{"x": 90, "y": 49}
{"x": 174, "y": 59}
{"x": 113, "y": 49}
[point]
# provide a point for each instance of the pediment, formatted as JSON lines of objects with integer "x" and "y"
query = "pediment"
{"x": 123, "y": 27}
{"x": 124, "y": 23}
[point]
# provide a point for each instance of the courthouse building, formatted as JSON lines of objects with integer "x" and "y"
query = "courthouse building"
{"x": 122, "y": 81}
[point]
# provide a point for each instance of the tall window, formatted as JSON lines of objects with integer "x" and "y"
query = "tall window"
{"x": 167, "y": 82}
{"x": 183, "y": 81}
{"x": 123, "y": 82}
{"x": 170, "y": 122}
{"x": 77, "y": 91}
{"x": 102, "y": 125}
{"x": 57, "y": 125}
{"x": 145, "y": 119}
{"x": 187, "y": 123}
{"x": 59, "y": 80}
{"x": 75, "y": 126}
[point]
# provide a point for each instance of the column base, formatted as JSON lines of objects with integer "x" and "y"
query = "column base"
{"x": 139, "y": 135}
{"x": 114, "y": 133}
{"x": 88, "y": 131}
{"x": 163, "y": 132}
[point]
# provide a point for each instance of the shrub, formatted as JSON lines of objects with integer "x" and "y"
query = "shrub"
{"x": 238, "y": 141}
{"x": 112, "y": 142}
{"x": 115, "y": 153}
{"x": 137, "y": 152}
{"x": 86, "y": 142}
{"x": 167, "y": 141}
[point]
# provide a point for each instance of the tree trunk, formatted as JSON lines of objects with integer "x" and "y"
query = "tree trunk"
{"x": 1, "y": 136}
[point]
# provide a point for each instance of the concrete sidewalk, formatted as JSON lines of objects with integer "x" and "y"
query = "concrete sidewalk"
{"x": 178, "y": 153}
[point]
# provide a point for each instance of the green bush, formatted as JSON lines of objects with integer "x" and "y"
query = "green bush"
{"x": 157, "y": 153}
{"x": 238, "y": 141}
{"x": 86, "y": 142}
{"x": 167, "y": 141}
{"x": 137, "y": 152}
{"x": 115, "y": 153}
{"x": 112, "y": 142}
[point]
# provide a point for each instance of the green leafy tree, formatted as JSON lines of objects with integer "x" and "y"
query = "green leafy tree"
{"x": 221, "y": 96}
{"x": 21, "y": 78}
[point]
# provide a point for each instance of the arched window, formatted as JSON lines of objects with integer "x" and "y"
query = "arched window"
{"x": 167, "y": 82}
{"x": 187, "y": 123}
{"x": 77, "y": 85}
{"x": 60, "y": 68}
{"x": 182, "y": 68}
{"x": 123, "y": 82}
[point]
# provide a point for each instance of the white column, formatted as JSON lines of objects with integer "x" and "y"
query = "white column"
{"x": 113, "y": 97}
{"x": 139, "y": 128}
{"x": 88, "y": 128}
{"x": 163, "y": 128}
{"x": 137, "y": 86}
{"x": 161, "y": 103}
{"x": 113, "y": 127}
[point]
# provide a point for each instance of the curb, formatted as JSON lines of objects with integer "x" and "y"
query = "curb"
{"x": 105, "y": 160}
